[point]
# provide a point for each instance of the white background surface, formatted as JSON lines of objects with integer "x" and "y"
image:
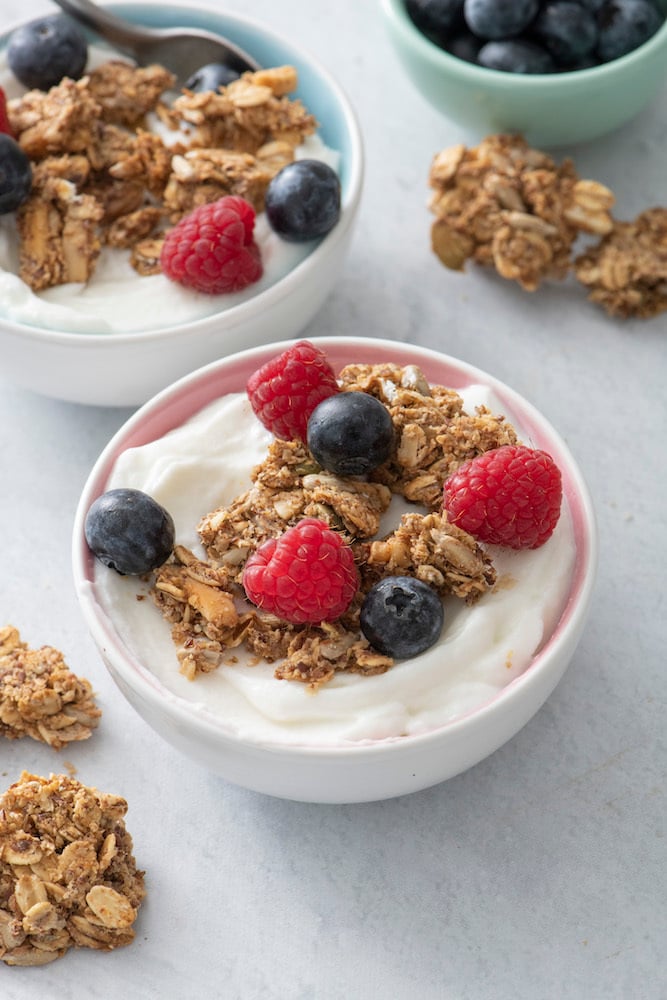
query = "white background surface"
{"x": 538, "y": 874}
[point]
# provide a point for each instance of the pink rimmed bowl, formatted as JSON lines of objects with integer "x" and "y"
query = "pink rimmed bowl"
{"x": 371, "y": 769}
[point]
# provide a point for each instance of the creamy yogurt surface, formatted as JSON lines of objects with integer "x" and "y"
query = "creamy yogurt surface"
{"x": 205, "y": 464}
{"x": 117, "y": 299}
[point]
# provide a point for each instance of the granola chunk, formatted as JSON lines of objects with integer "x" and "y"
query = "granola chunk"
{"x": 505, "y": 205}
{"x": 40, "y": 697}
{"x": 434, "y": 435}
{"x": 58, "y": 230}
{"x": 248, "y": 113}
{"x": 59, "y": 121}
{"x": 68, "y": 877}
{"x": 127, "y": 93}
{"x": 626, "y": 272}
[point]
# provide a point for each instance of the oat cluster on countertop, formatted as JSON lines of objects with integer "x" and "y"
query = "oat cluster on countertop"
{"x": 200, "y": 598}
{"x": 68, "y": 877}
{"x": 505, "y": 205}
{"x": 40, "y": 696}
{"x": 101, "y": 177}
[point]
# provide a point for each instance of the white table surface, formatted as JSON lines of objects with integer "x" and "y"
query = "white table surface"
{"x": 538, "y": 874}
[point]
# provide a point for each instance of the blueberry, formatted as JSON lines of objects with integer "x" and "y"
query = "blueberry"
{"x": 211, "y": 77}
{"x": 465, "y": 46}
{"x": 350, "y": 433}
{"x": 624, "y": 25}
{"x": 42, "y": 52}
{"x": 516, "y": 56}
{"x": 129, "y": 531}
{"x": 437, "y": 19}
{"x": 567, "y": 30}
{"x": 303, "y": 200}
{"x": 494, "y": 19}
{"x": 591, "y": 5}
{"x": 15, "y": 174}
{"x": 401, "y": 616}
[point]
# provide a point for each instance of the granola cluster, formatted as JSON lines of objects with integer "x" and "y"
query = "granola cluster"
{"x": 100, "y": 177}
{"x": 505, "y": 205}
{"x": 68, "y": 877}
{"x": 40, "y": 697}
{"x": 200, "y": 598}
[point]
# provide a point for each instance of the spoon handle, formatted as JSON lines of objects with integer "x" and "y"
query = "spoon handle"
{"x": 120, "y": 33}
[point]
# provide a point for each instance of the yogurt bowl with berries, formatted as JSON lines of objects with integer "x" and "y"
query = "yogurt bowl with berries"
{"x": 443, "y": 647}
{"x": 89, "y": 310}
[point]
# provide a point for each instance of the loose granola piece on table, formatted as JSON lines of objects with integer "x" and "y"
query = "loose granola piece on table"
{"x": 58, "y": 230}
{"x": 626, "y": 272}
{"x": 505, "y": 205}
{"x": 127, "y": 93}
{"x": 248, "y": 113}
{"x": 68, "y": 877}
{"x": 40, "y": 696}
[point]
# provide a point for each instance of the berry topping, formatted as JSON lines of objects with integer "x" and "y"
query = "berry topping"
{"x": 15, "y": 174}
{"x": 45, "y": 50}
{"x": 436, "y": 18}
{"x": 210, "y": 77}
{"x": 284, "y": 392}
{"x": 507, "y": 496}
{"x": 350, "y": 434}
{"x": 212, "y": 249}
{"x": 303, "y": 200}
{"x": 401, "y": 616}
{"x": 129, "y": 531}
{"x": 308, "y": 574}
{"x": 4, "y": 117}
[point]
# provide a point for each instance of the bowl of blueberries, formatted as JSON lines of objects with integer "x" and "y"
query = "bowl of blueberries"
{"x": 151, "y": 223}
{"x": 558, "y": 71}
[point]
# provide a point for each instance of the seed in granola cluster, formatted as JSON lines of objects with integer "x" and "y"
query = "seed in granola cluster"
{"x": 15, "y": 174}
{"x": 350, "y": 434}
{"x": 129, "y": 531}
{"x": 303, "y": 200}
{"x": 45, "y": 50}
{"x": 401, "y": 616}
{"x": 212, "y": 76}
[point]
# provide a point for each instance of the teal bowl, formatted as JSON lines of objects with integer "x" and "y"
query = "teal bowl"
{"x": 554, "y": 109}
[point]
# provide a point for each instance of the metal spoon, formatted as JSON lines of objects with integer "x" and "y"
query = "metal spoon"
{"x": 180, "y": 50}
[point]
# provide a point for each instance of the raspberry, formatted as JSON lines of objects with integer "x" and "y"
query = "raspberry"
{"x": 284, "y": 392}
{"x": 212, "y": 249}
{"x": 308, "y": 574}
{"x": 507, "y": 496}
{"x": 4, "y": 117}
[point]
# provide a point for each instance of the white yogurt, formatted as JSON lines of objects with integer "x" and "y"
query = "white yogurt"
{"x": 116, "y": 299}
{"x": 205, "y": 464}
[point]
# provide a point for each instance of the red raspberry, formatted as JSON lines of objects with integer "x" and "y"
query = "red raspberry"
{"x": 4, "y": 117}
{"x": 284, "y": 392}
{"x": 507, "y": 496}
{"x": 212, "y": 249}
{"x": 306, "y": 575}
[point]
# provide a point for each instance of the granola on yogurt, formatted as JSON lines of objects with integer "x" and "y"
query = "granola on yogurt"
{"x": 200, "y": 598}
{"x": 68, "y": 877}
{"x": 102, "y": 177}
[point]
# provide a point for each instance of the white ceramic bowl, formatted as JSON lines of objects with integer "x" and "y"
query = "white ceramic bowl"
{"x": 373, "y": 769}
{"x": 125, "y": 369}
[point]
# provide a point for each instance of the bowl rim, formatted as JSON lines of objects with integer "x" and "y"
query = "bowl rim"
{"x": 279, "y": 290}
{"x": 397, "y": 15}
{"x": 548, "y": 659}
